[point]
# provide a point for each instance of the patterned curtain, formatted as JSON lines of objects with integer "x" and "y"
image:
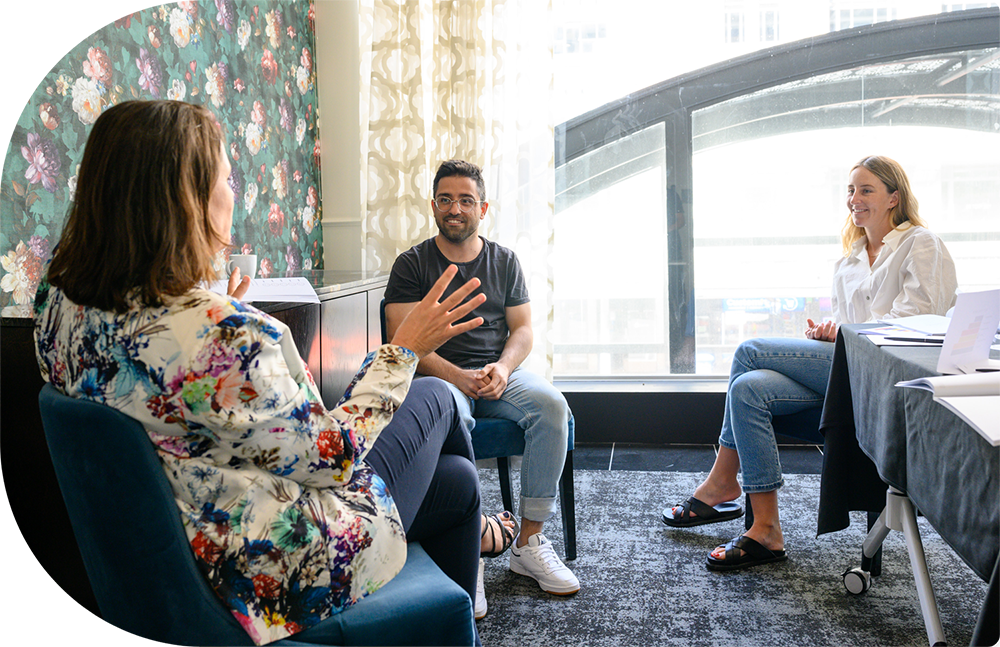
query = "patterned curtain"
{"x": 470, "y": 80}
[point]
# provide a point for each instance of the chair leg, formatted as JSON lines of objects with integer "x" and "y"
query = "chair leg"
{"x": 567, "y": 498}
{"x": 503, "y": 473}
{"x": 876, "y": 560}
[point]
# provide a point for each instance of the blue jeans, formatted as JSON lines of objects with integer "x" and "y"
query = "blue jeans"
{"x": 542, "y": 412}
{"x": 770, "y": 377}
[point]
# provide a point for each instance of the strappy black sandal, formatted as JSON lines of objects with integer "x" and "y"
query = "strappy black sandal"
{"x": 507, "y": 535}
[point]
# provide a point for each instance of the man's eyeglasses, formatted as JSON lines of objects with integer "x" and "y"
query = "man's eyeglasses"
{"x": 464, "y": 204}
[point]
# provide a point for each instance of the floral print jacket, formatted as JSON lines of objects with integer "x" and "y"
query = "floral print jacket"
{"x": 285, "y": 519}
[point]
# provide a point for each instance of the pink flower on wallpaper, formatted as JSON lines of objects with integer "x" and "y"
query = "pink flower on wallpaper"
{"x": 49, "y": 116}
{"x": 297, "y": 175}
{"x": 306, "y": 59}
{"x": 15, "y": 28}
{"x": 312, "y": 197}
{"x": 98, "y": 65}
{"x": 266, "y": 267}
{"x": 287, "y": 117}
{"x": 43, "y": 161}
{"x": 238, "y": 85}
{"x": 269, "y": 67}
{"x": 190, "y": 7}
{"x": 59, "y": 21}
{"x": 120, "y": 11}
{"x": 246, "y": 249}
{"x": 276, "y": 219}
{"x": 150, "y": 74}
{"x": 316, "y": 153}
{"x": 258, "y": 115}
{"x": 226, "y": 16}
{"x": 8, "y": 86}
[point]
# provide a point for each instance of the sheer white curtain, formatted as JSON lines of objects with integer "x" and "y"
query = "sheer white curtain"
{"x": 469, "y": 80}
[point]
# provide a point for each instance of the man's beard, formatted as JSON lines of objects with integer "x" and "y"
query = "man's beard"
{"x": 457, "y": 236}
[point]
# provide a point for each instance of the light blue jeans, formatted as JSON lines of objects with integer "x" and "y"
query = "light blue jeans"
{"x": 770, "y": 377}
{"x": 542, "y": 412}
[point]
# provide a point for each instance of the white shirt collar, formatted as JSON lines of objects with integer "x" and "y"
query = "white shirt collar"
{"x": 892, "y": 239}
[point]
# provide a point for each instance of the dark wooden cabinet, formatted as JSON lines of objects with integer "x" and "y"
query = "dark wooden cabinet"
{"x": 344, "y": 333}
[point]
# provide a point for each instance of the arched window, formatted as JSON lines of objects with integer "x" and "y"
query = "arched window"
{"x": 706, "y": 209}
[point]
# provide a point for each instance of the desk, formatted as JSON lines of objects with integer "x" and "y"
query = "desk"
{"x": 876, "y": 433}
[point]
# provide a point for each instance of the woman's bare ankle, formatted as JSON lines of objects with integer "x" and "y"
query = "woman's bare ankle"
{"x": 713, "y": 494}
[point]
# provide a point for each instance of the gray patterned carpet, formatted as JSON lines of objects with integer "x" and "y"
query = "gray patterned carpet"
{"x": 644, "y": 583}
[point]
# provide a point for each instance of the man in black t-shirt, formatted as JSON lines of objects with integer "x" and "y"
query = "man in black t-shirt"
{"x": 482, "y": 366}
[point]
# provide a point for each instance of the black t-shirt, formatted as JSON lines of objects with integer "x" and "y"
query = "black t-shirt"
{"x": 416, "y": 270}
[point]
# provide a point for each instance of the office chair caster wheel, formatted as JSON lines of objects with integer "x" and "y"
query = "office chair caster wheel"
{"x": 857, "y": 581}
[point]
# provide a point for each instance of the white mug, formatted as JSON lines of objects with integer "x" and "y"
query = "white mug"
{"x": 246, "y": 262}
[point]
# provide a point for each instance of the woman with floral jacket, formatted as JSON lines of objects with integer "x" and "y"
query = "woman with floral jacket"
{"x": 286, "y": 503}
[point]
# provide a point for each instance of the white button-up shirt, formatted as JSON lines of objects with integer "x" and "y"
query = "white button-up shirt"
{"x": 913, "y": 274}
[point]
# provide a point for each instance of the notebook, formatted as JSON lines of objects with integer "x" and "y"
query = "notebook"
{"x": 966, "y": 347}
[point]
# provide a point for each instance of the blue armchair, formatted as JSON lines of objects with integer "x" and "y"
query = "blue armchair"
{"x": 143, "y": 572}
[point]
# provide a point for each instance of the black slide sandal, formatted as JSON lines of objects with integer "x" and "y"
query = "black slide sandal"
{"x": 705, "y": 513}
{"x": 753, "y": 554}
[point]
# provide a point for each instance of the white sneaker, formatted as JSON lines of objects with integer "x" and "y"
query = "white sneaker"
{"x": 537, "y": 559}
{"x": 480, "y": 608}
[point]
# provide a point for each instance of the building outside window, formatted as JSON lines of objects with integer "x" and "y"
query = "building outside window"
{"x": 768, "y": 25}
{"x": 734, "y": 26}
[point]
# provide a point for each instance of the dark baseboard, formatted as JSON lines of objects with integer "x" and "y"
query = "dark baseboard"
{"x": 651, "y": 418}
{"x": 654, "y": 418}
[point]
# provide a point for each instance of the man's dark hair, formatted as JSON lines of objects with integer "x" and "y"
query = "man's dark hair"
{"x": 461, "y": 168}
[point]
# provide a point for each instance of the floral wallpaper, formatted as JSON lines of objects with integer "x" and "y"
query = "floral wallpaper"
{"x": 249, "y": 61}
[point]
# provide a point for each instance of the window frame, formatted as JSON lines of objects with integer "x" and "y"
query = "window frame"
{"x": 673, "y": 102}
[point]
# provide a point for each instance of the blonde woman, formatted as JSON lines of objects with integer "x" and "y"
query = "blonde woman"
{"x": 893, "y": 266}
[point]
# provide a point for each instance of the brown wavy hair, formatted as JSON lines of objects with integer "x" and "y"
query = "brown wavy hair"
{"x": 894, "y": 178}
{"x": 139, "y": 220}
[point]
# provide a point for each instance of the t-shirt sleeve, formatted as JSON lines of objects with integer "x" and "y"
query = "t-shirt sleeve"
{"x": 517, "y": 286}
{"x": 404, "y": 285}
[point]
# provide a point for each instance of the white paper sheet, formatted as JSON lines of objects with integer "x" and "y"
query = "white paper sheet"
{"x": 294, "y": 289}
